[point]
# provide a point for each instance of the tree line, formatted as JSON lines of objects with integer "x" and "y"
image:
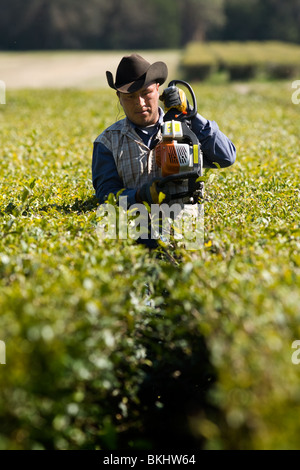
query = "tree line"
{"x": 136, "y": 24}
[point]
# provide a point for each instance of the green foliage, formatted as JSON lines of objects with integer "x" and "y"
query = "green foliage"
{"x": 198, "y": 63}
{"x": 262, "y": 20}
{"x": 241, "y": 60}
{"x": 134, "y": 24}
{"x": 98, "y": 24}
{"x": 112, "y": 346}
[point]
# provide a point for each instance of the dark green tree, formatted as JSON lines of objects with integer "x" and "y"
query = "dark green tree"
{"x": 262, "y": 20}
{"x": 136, "y": 24}
{"x": 284, "y": 24}
{"x": 199, "y": 17}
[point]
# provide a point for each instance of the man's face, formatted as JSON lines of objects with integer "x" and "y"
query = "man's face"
{"x": 141, "y": 107}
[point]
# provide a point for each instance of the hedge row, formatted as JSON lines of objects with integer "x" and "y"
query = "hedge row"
{"x": 241, "y": 60}
{"x": 110, "y": 346}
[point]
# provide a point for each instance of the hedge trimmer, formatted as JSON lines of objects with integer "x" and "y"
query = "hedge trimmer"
{"x": 179, "y": 153}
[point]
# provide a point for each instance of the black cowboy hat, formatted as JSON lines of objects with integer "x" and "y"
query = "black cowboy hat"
{"x": 134, "y": 72}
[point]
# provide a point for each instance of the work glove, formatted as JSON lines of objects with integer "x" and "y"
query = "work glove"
{"x": 150, "y": 193}
{"x": 174, "y": 97}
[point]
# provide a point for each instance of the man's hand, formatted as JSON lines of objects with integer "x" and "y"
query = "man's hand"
{"x": 151, "y": 193}
{"x": 174, "y": 97}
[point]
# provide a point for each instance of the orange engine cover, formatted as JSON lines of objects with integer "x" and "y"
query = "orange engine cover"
{"x": 173, "y": 158}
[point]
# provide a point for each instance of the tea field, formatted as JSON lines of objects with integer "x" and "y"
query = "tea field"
{"x": 112, "y": 346}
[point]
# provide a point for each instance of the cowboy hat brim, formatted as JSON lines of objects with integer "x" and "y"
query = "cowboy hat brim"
{"x": 157, "y": 73}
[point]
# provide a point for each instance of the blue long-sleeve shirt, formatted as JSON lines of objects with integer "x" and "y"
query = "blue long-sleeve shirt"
{"x": 216, "y": 147}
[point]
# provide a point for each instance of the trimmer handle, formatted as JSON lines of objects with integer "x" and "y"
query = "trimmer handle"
{"x": 193, "y": 111}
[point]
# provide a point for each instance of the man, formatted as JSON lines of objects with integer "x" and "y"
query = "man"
{"x": 123, "y": 155}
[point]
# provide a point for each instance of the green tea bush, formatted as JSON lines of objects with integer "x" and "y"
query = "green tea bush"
{"x": 282, "y": 60}
{"x": 242, "y": 60}
{"x": 197, "y": 63}
{"x": 237, "y": 59}
{"x": 112, "y": 346}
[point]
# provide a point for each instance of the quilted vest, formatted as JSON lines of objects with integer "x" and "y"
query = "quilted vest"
{"x": 135, "y": 162}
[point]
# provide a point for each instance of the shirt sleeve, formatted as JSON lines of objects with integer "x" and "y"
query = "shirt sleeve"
{"x": 216, "y": 147}
{"x": 105, "y": 176}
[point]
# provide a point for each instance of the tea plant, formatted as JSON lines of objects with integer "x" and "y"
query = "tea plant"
{"x": 112, "y": 346}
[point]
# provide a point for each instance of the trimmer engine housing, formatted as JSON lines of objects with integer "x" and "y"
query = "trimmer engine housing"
{"x": 174, "y": 158}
